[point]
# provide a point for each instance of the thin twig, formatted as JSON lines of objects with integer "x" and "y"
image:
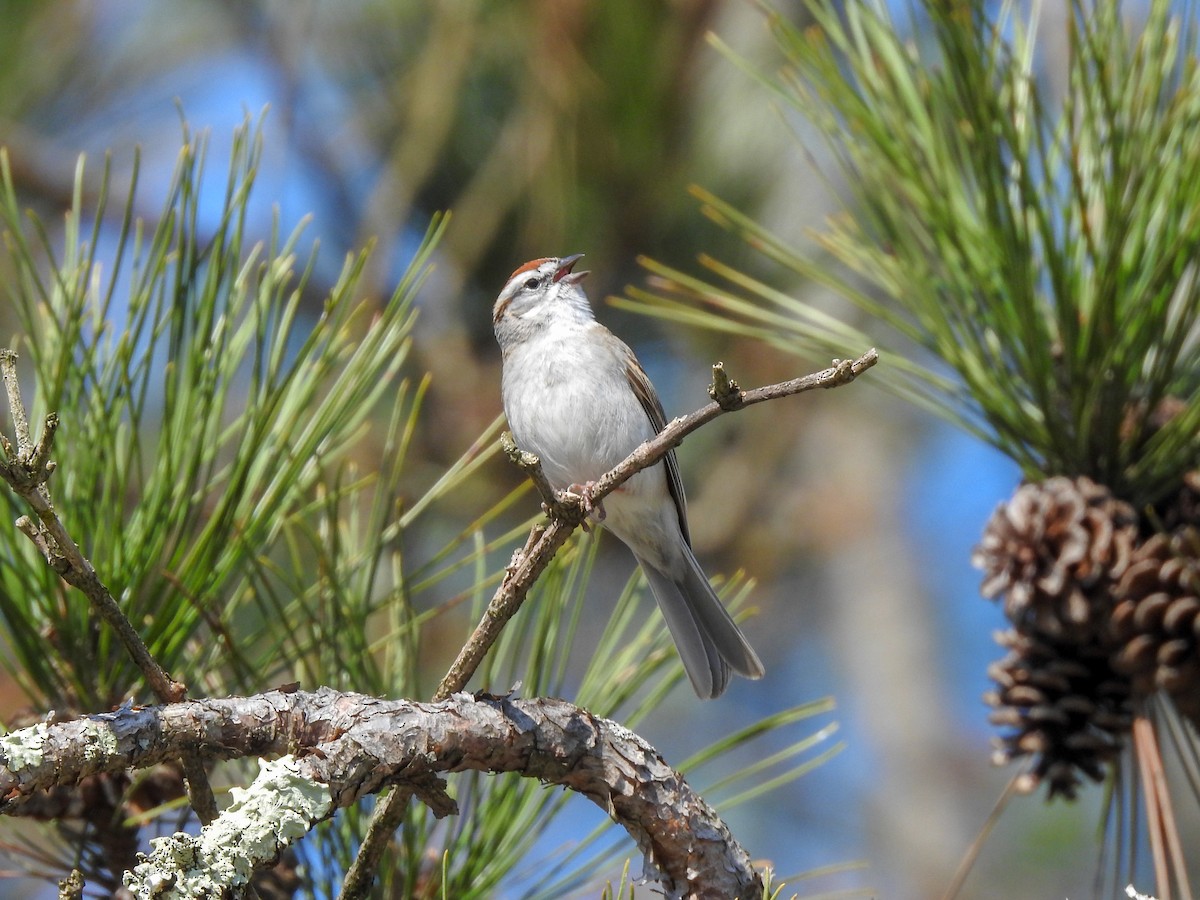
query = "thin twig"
{"x": 532, "y": 466}
{"x": 543, "y": 543}
{"x": 16, "y": 409}
{"x": 386, "y": 819}
{"x": 842, "y": 372}
{"x": 566, "y": 512}
{"x": 527, "y": 564}
{"x": 27, "y": 469}
{"x": 967, "y": 863}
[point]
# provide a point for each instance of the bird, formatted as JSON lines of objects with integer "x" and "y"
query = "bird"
{"x": 576, "y": 397}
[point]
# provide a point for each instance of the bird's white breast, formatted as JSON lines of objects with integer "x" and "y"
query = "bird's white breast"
{"x": 568, "y": 400}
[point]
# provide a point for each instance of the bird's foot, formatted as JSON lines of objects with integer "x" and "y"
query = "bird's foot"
{"x": 593, "y": 509}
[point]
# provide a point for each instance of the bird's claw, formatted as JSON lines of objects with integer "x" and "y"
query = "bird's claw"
{"x": 592, "y": 509}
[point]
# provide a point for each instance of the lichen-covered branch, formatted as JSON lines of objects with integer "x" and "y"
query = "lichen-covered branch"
{"x": 276, "y": 810}
{"x": 338, "y": 747}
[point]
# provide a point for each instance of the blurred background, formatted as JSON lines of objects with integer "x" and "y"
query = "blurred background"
{"x": 551, "y": 127}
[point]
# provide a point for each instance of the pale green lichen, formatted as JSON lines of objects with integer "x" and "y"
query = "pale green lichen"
{"x": 99, "y": 741}
{"x": 277, "y": 809}
{"x": 23, "y": 749}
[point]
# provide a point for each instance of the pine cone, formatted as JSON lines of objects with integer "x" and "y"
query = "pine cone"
{"x": 1054, "y": 551}
{"x": 1156, "y": 622}
{"x": 1066, "y": 707}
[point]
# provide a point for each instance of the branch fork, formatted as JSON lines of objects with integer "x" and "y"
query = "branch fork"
{"x": 571, "y": 506}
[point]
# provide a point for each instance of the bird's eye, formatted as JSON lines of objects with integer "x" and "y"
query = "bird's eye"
{"x": 533, "y": 284}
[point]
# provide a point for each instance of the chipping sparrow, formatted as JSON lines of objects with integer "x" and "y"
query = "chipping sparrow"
{"x": 577, "y": 398}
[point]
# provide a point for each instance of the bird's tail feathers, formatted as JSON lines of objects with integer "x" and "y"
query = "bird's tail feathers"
{"x": 709, "y": 641}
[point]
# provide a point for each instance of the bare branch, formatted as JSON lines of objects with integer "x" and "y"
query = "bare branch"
{"x": 542, "y": 544}
{"x": 842, "y": 372}
{"x": 530, "y": 464}
{"x": 16, "y": 409}
{"x": 342, "y": 746}
{"x": 567, "y": 512}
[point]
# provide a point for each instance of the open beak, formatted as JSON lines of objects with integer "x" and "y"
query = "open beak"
{"x": 564, "y": 273}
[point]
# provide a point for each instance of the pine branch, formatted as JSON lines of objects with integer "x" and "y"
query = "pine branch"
{"x": 342, "y": 746}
